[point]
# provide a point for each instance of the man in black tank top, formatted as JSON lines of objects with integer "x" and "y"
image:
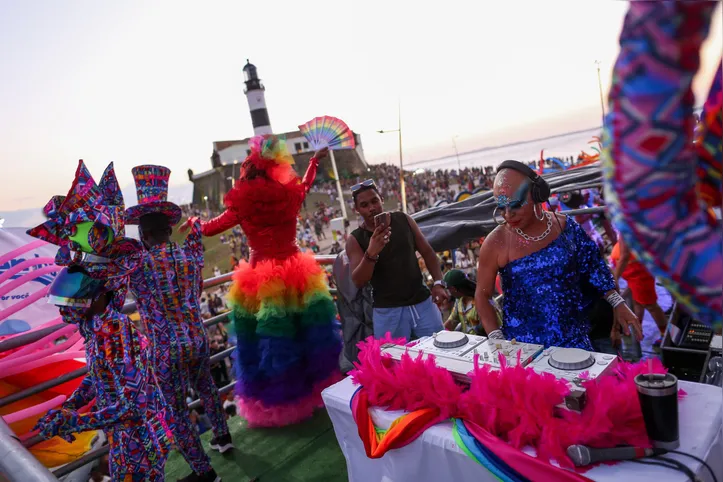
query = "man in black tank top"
{"x": 385, "y": 256}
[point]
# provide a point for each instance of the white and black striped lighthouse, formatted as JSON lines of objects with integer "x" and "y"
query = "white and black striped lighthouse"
{"x": 254, "y": 91}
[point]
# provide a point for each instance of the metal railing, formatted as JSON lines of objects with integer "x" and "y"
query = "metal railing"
{"x": 17, "y": 464}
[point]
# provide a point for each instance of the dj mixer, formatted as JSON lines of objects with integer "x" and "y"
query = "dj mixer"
{"x": 455, "y": 352}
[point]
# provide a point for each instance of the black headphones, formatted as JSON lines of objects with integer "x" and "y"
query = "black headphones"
{"x": 539, "y": 190}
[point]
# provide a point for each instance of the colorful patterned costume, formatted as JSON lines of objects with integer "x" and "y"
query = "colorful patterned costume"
{"x": 657, "y": 179}
{"x": 288, "y": 341}
{"x": 167, "y": 289}
{"x": 87, "y": 224}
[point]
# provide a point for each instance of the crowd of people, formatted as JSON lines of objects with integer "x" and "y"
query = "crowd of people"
{"x": 424, "y": 188}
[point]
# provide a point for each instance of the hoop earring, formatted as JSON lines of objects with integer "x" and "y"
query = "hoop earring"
{"x": 494, "y": 216}
{"x": 541, "y": 217}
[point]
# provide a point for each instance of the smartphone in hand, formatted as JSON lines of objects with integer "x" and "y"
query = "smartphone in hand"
{"x": 382, "y": 219}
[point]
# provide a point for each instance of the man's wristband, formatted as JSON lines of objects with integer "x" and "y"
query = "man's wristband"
{"x": 372, "y": 259}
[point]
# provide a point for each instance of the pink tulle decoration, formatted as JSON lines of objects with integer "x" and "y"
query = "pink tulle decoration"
{"x": 410, "y": 384}
{"x": 289, "y": 414}
{"x": 515, "y": 404}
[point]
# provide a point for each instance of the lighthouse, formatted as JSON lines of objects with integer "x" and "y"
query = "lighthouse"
{"x": 254, "y": 91}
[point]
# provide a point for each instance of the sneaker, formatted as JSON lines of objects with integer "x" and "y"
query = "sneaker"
{"x": 209, "y": 476}
{"x": 222, "y": 443}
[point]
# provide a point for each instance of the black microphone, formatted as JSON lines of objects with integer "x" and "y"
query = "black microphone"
{"x": 582, "y": 455}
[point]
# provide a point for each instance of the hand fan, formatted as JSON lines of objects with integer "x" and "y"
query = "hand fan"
{"x": 328, "y": 132}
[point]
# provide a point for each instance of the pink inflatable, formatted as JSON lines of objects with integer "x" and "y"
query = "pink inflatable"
{"x": 35, "y": 410}
{"x": 22, "y": 304}
{"x": 26, "y": 278}
{"x": 66, "y": 331}
{"x": 18, "y": 361}
{"x": 28, "y": 263}
{"x": 22, "y": 249}
{"x": 76, "y": 355}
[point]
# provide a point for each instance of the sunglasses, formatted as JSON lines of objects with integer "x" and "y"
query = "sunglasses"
{"x": 503, "y": 202}
{"x": 512, "y": 205}
{"x": 515, "y": 202}
{"x": 73, "y": 287}
{"x": 364, "y": 184}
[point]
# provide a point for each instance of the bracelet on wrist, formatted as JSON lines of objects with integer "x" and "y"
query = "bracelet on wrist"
{"x": 614, "y": 299}
{"x": 496, "y": 335}
{"x": 371, "y": 258}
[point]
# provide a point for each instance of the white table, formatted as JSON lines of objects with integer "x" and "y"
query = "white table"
{"x": 435, "y": 456}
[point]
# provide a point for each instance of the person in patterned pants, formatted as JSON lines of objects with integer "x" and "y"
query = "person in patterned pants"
{"x": 87, "y": 225}
{"x": 167, "y": 288}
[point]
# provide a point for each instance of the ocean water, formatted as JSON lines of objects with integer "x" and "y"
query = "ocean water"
{"x": 564, "y": 145}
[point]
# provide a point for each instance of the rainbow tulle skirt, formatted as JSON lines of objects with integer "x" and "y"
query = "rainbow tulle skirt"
{"x": 288, "y": 339}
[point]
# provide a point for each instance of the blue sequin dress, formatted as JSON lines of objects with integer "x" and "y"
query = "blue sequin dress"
{"x": 544, "y": 300}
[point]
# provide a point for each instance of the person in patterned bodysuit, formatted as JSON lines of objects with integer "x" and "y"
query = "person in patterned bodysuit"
{"x": 167, "y": 288}
{"x": 660, "y": 181}
{"x": 87, "y": 225}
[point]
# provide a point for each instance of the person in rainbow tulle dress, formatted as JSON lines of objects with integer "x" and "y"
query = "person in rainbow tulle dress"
{"x": 283, "y": 314}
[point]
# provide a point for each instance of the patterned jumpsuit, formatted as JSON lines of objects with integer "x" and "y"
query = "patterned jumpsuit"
{"x": 167, "y": 288}
{"x": 658, "y": 181}
{"x": 127, "y": 406}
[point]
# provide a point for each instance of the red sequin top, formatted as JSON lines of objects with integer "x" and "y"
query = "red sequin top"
{"x": 265, "y": 202}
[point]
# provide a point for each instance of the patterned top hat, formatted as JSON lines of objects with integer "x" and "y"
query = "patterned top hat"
{"x": 152, "y": 189}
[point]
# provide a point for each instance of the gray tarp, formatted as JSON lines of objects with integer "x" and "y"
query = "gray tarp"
{"x": 450, "y": 226}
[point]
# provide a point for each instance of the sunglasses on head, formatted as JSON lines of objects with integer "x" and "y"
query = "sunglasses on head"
{"x": 363, "y": 184}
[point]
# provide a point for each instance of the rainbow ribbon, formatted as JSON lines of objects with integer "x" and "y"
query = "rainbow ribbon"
{"x": 403, "y": 430}
{"x": 505, "y": 462}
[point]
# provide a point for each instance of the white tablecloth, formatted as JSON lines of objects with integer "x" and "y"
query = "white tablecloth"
{"x": 434, "y": 456}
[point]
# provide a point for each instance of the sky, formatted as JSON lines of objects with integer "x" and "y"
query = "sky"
{"x": 157, "y": 82}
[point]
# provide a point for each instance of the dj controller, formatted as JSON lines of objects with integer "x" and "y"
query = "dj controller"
{"x": 455, "y": 352}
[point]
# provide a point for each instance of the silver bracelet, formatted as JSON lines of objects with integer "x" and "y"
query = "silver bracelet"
{"x": 614, "y": 299}
{"x": 496, "y": 335}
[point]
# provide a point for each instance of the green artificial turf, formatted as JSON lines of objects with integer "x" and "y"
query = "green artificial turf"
{"x": 306, "y": 452}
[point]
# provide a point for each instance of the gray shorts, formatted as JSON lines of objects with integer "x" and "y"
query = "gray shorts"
{"x": 422, "y": 319}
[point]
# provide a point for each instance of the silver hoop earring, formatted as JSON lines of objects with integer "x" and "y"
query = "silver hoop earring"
{"x": 494, "y": 216}
{"x": 541, "y": 217}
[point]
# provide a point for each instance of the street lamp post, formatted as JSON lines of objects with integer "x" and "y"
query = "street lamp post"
{"x": 456, "y": 153}
{"x": 402, "y": 186}
{"x": 599, "y": 84}
{"x": 208, "y": 211}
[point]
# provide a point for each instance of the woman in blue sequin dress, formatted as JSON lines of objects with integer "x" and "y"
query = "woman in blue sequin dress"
{"x": 545, "y": 260}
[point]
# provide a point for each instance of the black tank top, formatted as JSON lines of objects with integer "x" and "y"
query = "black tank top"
{"x": 397, "y": 279}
